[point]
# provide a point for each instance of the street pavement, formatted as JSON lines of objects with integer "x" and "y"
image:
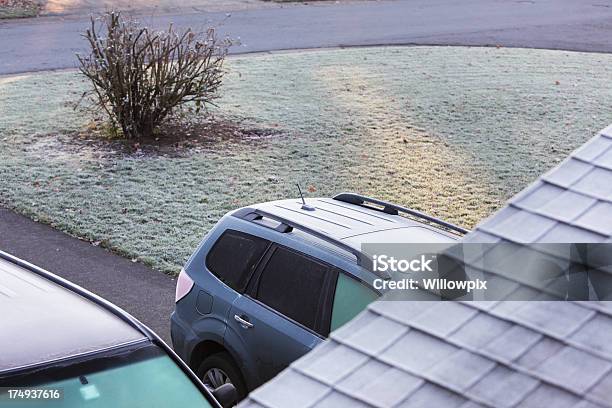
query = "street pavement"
{"x": 51, "y": 42}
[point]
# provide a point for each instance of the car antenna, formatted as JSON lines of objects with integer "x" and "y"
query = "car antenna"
{"x": 304, "y": 205}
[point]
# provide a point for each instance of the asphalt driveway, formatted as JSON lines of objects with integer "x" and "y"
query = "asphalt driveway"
{"x": 146, "y": 294}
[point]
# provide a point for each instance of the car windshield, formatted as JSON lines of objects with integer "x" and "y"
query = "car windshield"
{"x": 144, "y": 377}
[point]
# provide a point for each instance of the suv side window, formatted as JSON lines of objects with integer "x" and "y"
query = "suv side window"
{"x": 296, "y": 286}
{"x": 234, "y": 256}
{"x": 350, "y": 299}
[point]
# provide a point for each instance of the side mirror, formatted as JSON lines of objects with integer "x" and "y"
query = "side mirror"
{"x": 226, "y": 395}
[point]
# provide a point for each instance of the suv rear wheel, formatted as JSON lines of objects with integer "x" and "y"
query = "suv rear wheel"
{"x": 218, "y": 369}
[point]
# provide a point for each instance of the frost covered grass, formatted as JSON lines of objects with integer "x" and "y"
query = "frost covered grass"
{"x": 450, "y": 131}
{"x": 19, "y": 8}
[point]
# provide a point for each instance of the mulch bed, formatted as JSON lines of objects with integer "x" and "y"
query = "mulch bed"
{"x": 176, "y": 138}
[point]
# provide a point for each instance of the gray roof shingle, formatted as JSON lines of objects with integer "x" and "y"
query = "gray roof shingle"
{"x": 538, "y": 353}
{"x": 371, "y": 384}
{"x": 480, "y": 331}
{"x": 335, "y": 400}
{"x": 512, "y": 344}
{"x": 460, "y": 370}
{"x": 503, "y": 387}
{"x": 290, "y": 389}
{"x": 339, "y": 361}
{"x": 590, "y": 336}
{"x": 573, "y": 368}
{"x": 425, "y": 352}
{"x": 479, "y": 354}
{"x": 374, "y": 335}
{"x": 548, "y": 396}
{"x": 602, "y": 390}
{"x": 430, "y": 395}
{"x": 443, "y": 318}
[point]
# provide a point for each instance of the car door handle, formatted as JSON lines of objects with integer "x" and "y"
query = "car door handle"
{"x": 244, "y": 323}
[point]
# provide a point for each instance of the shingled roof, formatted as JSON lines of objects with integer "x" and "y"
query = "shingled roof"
{"x": 479, "y": 354}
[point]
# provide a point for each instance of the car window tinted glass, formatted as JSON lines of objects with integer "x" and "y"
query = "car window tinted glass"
{"x": 144, "y": 378}
{"x": 293, "y": 285}
{"x": 351, "y": 297}
{"x": 234, "y": 256}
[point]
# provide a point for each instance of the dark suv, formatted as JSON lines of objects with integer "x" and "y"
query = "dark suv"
{"x": 61, "y": 346}
{"x": 272, "y": 280}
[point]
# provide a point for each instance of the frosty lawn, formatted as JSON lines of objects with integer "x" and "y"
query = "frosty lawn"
{"x": 449, "y": 131}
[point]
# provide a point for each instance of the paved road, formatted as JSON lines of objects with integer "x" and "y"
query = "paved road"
{"x": 146, "y": 294}
{"x": 585, "y": 25}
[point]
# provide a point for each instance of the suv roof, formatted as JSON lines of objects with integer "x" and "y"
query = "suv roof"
{"x": 34, "y": 308}
{"x": 349, "y": 220}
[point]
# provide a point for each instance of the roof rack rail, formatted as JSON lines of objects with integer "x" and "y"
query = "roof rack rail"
{"x": 253, "y": 214}
{"x": 394, "y": 209}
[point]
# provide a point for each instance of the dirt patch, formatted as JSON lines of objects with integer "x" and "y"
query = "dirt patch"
{"x": 174, "y": 139}
{"x": 19, "y": 8}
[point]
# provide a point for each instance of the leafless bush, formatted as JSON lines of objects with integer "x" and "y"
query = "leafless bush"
{"x": 140, "y": 76}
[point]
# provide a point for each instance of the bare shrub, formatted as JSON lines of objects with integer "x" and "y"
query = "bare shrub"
{"x": 141, "y": 76}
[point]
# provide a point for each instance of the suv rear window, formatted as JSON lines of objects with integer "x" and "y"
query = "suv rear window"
{"x": 294, "y": 285}
{"x": 234, "y": 256}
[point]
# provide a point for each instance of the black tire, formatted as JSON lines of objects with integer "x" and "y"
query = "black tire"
{"x": 224, "y": 362}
